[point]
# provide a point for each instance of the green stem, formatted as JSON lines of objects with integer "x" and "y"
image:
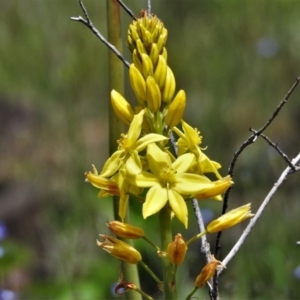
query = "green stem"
{"x": 146, "y": 296}
{"x": 166, "y": 238}
{"x": 116, "y": 81}
{"x": 150, "y": 272}
{"x": 196, "y": 237}
{"x": 191, "y": 293}
{"x": 151, "y": 243}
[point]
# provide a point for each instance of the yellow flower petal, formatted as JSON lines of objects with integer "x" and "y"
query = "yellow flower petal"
{"x": 113, "y": 164}
{"x": 156, "y": 199}
{"x": 183, "y": 162}
{"x": 178, "y": 206}
{"x": 190, "y": 184}
{"x": 150, "y": 138}
{"x": 157, "y": 159}
{"x": 133, "y": 164}
{"x": 193, "y": 135}
{"x": 123, "y": 202}
{"x": 143, "y": 180}
{"x": 206, "y": 165}
{"x": 135, "y": 129}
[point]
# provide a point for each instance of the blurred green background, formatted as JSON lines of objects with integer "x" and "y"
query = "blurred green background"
{"x": 235, "y": 59}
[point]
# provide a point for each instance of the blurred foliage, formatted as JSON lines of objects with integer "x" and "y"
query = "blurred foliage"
{"x": 235, "y": 59}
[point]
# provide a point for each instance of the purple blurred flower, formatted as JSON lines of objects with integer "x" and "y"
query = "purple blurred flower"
{"x": 297, "y": 272}
{"x": 267, "y": 47}
{"x": 7, "y": 295}
{"x": 2, "y": 252}
{"x": 3, "y": 232}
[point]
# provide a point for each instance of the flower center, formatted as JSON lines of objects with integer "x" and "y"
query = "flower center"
{"x": 123, "y": 142}
{"x": 167, "y": 176}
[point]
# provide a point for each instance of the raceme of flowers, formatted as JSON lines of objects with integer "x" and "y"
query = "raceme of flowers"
{"x": 144, "y": 159}
{"x": 145, "y": 165}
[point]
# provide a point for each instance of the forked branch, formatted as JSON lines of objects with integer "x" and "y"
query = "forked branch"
{"x": 88, "y": 22}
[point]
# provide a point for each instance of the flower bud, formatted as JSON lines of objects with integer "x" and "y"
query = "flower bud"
{"x": 230, "y": 219}
{"x": 153, "y": 94}
{"x": 124, "y": 230}
{"x": 147, "y": 66}
{"x": 119, "y": 249}
{"x": 208, "y": 272}
{"x": 218, "y": 188}
{"x": 160, "y": 73}
{"x": 138, "y": 84}
{"x": 110, "y": 187}
{"x": 121, "y": 107}
{"x": 170, "y": 86}
{"x": 177, "y": 250}
{"x": 176, "y": 109}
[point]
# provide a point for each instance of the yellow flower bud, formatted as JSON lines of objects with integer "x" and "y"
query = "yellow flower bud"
{"x": 207, "y": 272}
{"x": 170, "y": 86}
{"x": 124, "y": 230}
{"x": 121, "y": 107}
{"x": 147, "y": 67}
{"x": 153, "y": 94}
{"x": 138, "y": 84}
{"x": 177, "y": 250}
{"x": 176, "y": 109}
{"x": 160, "y": 73}
{"x": 119, "y": 249}
{"x": 108, "y": 186}
{"x": 230, "y": 219}
{"x": 220, "y": 186}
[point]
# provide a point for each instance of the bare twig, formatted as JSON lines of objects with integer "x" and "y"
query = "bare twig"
{"x": 127, "y": 9}
{"x": 253, "y": 221}
{"x": 149, "y": 7}
{"x": 248, "y": 142}
{"x": 87, "y": 22}
{"x": 275, "y": 146}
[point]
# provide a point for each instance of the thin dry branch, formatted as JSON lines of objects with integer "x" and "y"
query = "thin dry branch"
{"x": 253, "y": 221}
{"x": 127, "y": 9}
{"x": 276, "y": 147}
{"x": 87, "y": 22}
{"x": 149, "y": 6}
{"x": 248, "y": 142}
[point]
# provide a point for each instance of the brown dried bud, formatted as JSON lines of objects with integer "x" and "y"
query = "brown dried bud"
{"x": 177, "y": 250}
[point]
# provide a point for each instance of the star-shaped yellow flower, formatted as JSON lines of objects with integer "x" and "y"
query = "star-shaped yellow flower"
{"x": 190, "y": 139}
{"x": 168, "y": 182}
{"x": 129, "y": 147}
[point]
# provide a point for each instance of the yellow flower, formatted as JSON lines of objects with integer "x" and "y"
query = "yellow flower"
{"x": 219, "y": 187}
{"x": 168, "y": 182}
{"x": 190, "y": 139}
{"x": 119, "y": 249}
{"x": 125, "y": 230}
{"x": 230, "y": 219}
{"x": 115, "y": 186}
{"x": 177, "y": 250}
{"x": 129, "y": 146}
{"x": 109, "y": 186}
